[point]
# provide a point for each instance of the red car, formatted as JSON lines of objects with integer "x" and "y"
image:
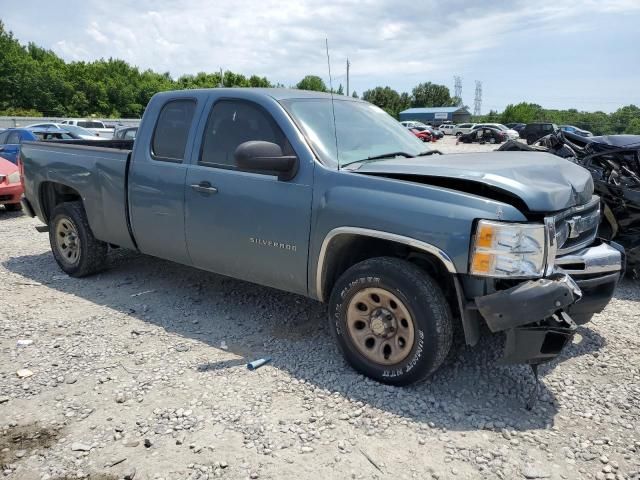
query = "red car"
{"x": 10, "y": 186}
{"x": 424, "y": 135}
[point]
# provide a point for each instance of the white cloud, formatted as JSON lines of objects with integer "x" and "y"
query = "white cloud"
{"x": 285, "y": 40}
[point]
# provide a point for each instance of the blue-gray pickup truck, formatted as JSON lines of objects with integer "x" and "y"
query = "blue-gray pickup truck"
{"x": 333, "y": 199}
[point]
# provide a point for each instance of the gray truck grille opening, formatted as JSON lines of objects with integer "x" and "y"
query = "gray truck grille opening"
{"x": 577, "y": 227}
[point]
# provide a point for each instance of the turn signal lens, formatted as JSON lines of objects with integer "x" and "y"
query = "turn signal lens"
{"x": 484, "y": 236}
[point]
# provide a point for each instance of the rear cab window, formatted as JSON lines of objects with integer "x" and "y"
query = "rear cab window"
{"x": 172, "y": 130}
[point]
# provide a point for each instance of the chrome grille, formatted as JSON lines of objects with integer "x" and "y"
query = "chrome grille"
{"x": 577, "y": 227}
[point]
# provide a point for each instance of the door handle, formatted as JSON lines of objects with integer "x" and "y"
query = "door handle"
{"x": 204, "y": 187}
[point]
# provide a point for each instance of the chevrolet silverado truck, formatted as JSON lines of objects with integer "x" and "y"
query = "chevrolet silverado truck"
{"x": 331, "y": 198}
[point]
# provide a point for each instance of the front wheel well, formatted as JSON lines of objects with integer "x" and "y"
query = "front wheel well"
{"x": 53, "y": 194}
{"x": 346, "y": 250}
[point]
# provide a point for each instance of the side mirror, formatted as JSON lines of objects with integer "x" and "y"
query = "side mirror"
{"x": 265, "y": 157}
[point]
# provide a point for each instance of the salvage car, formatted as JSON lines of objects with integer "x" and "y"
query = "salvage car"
{"x": 575, "y": 130}
{"x": 10, "y": 186}
{"x": 463, "y": 128}
{"x": 424, "y": 135}
{"x": 77, "y": 132}
{"x": 331, "y": 198}
{"x": 96, "y": 127}
{"x": 614, "y": 163}
{"x": 447, "y": 128}
{"x": 510, "y": 133}
{"x": 125, "y": 133}
{"x": 435, "y": 133}
{"x": 483, "y": 135}
{"x": 533, "y": 132}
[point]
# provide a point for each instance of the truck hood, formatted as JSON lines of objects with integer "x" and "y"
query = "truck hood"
{"x": 540, "y": 182}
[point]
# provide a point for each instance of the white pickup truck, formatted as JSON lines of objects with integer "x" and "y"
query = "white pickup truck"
{"x": 94, "y": 126}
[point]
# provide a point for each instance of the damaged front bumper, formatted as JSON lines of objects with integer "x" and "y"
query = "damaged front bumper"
{"x": 540, "y": 316}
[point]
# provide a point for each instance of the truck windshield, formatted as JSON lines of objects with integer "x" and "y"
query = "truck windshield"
{"x": 363, "y": 130}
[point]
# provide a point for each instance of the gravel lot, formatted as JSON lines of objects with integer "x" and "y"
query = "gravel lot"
{"x": 140, "y": 372}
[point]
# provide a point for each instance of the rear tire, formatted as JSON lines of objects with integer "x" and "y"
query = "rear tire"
{"x": 391, "y": 320}
{"x": 13, "y": 207}
{"x": 75, "y": 249}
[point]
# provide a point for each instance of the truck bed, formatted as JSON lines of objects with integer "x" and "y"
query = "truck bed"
{"x": 95, "y": 169}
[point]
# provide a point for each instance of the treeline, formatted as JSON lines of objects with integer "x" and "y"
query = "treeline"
{"x": 36, "y": 82}
{"x": 625, "y": 120}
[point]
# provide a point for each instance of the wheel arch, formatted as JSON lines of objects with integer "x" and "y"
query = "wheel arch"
{"x": 51, "y": 194}
{"x": 346, "y": 246}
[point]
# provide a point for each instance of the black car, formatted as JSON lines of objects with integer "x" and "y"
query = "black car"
{"x": 125, "y": 133}
{"x": 483, "y": 135}
{"x": 533, "y": 132}
{"x": 518, "y": 127}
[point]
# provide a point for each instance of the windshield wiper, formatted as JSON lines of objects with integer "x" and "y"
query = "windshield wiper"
{"x": 380, "y": 157}
{"x": 429, "y": 152}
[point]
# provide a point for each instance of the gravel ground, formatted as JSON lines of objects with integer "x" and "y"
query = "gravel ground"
{"x": 447, "y": 144}
{"x": 139, "y": 372}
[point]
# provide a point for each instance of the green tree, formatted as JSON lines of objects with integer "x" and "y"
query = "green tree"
{"x": 622, "y": 118}
{"x": 355, "y": 94}
{"x": 312, "y": 82}
{"x": 633, "y": 128}
{"x": 340, "y": 90}
{"x": 431, "y": 95}
{"x": 387, "y": 99}
{"x": 523, "y": 113}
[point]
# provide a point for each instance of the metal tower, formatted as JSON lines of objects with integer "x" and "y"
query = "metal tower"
{"x": 477, "y": 102}
{"x": 457, "y": 87}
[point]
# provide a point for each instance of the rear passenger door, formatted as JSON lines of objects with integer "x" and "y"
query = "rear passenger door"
{"x": 156, "y": 181}
{"x": 242, "y": 224}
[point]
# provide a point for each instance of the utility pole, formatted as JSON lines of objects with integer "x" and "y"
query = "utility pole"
{"x": 477, "y": 102}
{"x": 348, "y": 65}
{"x": 221, "y": 78}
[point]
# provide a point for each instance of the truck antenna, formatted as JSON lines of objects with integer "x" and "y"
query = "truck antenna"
{"x": 333, "y": 108}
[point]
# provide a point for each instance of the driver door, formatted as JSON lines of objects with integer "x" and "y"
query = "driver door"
{"x": 246, "y": 225}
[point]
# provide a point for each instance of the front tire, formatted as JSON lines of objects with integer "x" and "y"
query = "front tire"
{"x": 391, "y": 320}
{"x": 75, "y": 249}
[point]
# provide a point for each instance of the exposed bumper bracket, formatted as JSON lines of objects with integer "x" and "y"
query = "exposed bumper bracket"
{"x": 535, "y": 344}
{"x": 528, "y": 302}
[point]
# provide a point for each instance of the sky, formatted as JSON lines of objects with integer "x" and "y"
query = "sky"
{"x": 559, "y": 54}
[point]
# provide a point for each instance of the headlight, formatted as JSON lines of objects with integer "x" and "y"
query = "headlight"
{"x": 14, "y": 177}
{"x": 508, "y": 250}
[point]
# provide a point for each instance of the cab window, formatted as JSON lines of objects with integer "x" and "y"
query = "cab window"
{"x": 232, "y": 122}
{"x": 172, "y": 130}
